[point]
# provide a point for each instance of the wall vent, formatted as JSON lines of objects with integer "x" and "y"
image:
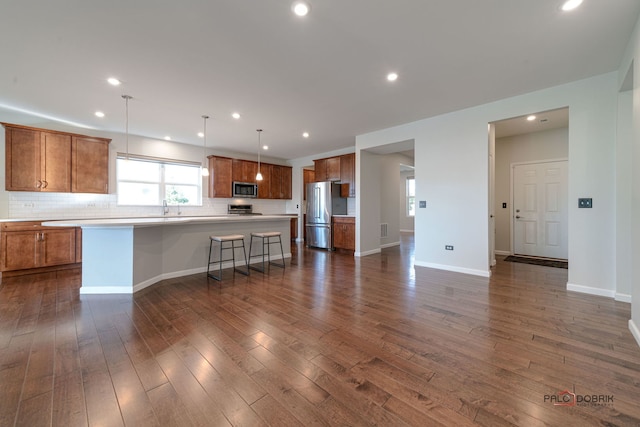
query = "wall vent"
{"x": 383, "y": 230}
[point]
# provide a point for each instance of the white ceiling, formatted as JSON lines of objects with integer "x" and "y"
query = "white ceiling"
{"x": 546, "y": 120}
{"x": 324, "y": 74}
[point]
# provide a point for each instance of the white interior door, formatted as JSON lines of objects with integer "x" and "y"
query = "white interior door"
{"x": 540, "y": 203}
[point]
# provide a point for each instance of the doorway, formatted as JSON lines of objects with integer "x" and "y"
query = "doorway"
{"x": 525, "y": 140}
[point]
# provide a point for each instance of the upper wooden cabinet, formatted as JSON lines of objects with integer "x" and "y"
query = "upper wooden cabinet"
{"x": 308, "y": 176}
{"x": 220, "y": 176}
{"x": 43, "y": 160}
{"x": 339, "y": 168}
{"x": 275, "y": 184}
{"x": 245, "y": 170}
{"x": 280, "y": 182}
{"x": 327, "y": 169}
{"x": 90, "y": 165}
{"x": 348, "y": 175}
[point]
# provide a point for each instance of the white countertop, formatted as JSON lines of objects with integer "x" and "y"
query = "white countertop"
{"x": 162, "y": 220}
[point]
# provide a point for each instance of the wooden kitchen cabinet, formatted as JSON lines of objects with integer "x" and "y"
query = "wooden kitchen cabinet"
{"x": 43, "y": 160}
{"x": 344, "y": 233}
{"x": 275, "y": 184}
{"x": 245, "y": 170}
{"x": 90, "y": 165}
{"x": 327, "y": 169}
{"x": 294, "y": 228}
{"x": 37, "y": 160}
{"x": 220, "y": 176}
{"x": 28, "y": 245}
{"x": 348, "y": 175}
{"x": 308, "y": 176}
{"x": 264, "y": 186}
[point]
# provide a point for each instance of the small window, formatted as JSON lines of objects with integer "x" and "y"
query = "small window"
{"x": 146, "y": 181}
{"x": 411, "y": 196}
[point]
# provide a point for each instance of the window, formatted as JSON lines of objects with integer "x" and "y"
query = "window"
{"x": 411, "y": 196}
{"x": 145, "y": 181}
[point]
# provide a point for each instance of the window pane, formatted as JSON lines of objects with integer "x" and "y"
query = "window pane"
{"x": 181, "y": 194}
{"x": 412, "y": 206}
{"x": 131, "y": 193}
{"x": 411, "y": 187}
{"x": 179, "y": 174}
{"x": 135, "y": 170}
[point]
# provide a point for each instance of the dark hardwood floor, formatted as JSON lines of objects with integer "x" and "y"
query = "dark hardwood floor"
{"x": 331, "y": 340}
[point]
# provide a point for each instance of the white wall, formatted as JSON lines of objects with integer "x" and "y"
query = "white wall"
{"x": 392, "y": 200}
{"x": 631, "y": 61}
{"x": 451, "y": 159}
{"x": 535, "y": 146}
{"x": 37, "y": 205}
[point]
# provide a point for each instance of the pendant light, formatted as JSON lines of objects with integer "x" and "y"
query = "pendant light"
{"x": 259, "y": 175}
{"x": 205, "y": 170}
{"x": 126, "y": 125}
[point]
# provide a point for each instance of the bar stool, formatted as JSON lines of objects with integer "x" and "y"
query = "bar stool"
{"x": 266, "y": 244}
{"x": 233, "y": 238}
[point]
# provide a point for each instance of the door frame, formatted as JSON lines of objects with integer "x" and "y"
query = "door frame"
{"x": 512, "y": 235}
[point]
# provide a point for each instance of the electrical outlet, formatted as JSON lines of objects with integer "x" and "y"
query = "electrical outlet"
{"x": 422, "y": 204}
{"x": 448, "y": 247}
{"x": 504, "y": 205}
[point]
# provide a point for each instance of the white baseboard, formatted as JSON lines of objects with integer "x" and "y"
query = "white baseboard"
{"x": 389, "y": 245}
{"x": 591, "y": 291}
{"x": 634, "y": 330}
{"x": 98, "y": 290}
{"x": 454, "y": 269}
{"x": 505, "y": 253}
{"x": 92, "y": 290}
{"x": 367, "y": 253}
{"x": 623, "y": 297}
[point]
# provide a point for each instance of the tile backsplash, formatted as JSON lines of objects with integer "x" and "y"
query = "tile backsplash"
{"x": 28, "y": 205}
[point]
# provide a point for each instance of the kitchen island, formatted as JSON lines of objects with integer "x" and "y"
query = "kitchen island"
{"x": 125, "y": 255}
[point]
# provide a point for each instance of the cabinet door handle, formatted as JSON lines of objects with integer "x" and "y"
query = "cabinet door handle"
{"x": 42, "y": 234}
{"x": 44, "y": 184}
{"x": 38, "y": 184}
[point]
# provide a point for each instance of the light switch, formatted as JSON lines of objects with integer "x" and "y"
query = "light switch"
{"x": 422, "y": 204}
{"x": 585, "y": 203}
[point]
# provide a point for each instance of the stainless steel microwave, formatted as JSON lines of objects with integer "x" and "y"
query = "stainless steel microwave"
{"x": 245, "y": 189}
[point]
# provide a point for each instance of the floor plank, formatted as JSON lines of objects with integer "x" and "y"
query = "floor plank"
{"x": 329, "y": 340}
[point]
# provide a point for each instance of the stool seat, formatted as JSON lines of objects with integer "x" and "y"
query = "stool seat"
{"x": 267, "y": 234}
{"x": 227, "y": 238}
{"x": 232, "y": 239}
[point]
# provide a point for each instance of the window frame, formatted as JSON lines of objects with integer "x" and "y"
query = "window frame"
{"x": 162, "y": 182}
{"x": 410, "y": 197}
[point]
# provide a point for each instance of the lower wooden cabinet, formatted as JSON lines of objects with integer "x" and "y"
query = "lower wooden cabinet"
{"x": 294, "y": 228}
{"x": 344, "y": 233}
{"x": 29, "y": 245}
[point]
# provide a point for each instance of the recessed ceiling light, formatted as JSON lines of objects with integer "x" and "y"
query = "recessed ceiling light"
{"x": 305, "y": 135}
{"x": 301, "y": 8}
{"x": 113, "y": 81}
{"x": 168, "y": 138}
{"x": 235, "y": 115}
{"x": 531, "y": 118}
{"x": 571, "y": 4}
{"x": 200, "y": 134}
{"x": 265, "y": 147}
{"x": 392, "y": 77}
{"x": 99, "y": 114}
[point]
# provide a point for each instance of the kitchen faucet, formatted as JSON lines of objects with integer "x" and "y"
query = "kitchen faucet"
{"x": 165, "y": 208}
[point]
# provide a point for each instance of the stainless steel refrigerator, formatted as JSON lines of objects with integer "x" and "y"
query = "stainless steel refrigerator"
{"x": 323, "y": 201}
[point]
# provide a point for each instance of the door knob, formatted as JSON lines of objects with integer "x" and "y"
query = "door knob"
{"x": 518, "y": 217}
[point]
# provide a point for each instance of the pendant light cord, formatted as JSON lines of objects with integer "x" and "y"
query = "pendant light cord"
{"x": 126, "y": 123}
{"x": 259, "y": 132}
